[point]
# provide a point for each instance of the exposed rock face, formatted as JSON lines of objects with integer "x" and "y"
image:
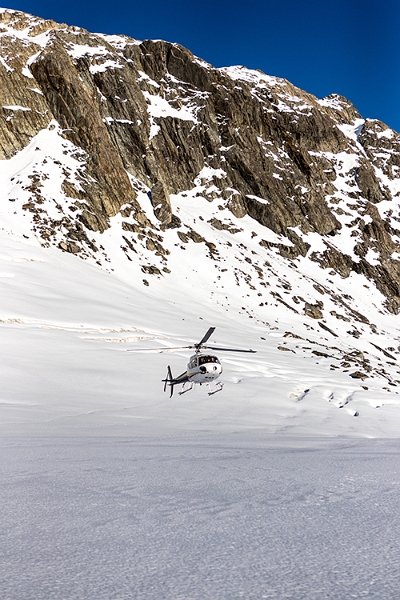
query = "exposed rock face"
{"x": 313, "y": 310}
{"x": 161, "y": 203}
{"x": 152, "y": 117}
{"x": 71, "y": 102}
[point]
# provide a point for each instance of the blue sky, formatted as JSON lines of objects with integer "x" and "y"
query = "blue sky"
{"x": 350, "y": 47}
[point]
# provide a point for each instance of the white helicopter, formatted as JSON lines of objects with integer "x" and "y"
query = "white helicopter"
{"x": 202, "y": 367}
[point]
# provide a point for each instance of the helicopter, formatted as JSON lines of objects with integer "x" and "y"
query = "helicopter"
{"x": 202, "y": 368}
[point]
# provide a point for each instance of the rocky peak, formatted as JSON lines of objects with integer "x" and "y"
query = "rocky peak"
{"x": 133, "y": 131}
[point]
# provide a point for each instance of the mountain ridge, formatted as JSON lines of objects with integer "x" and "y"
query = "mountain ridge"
{"x": 152, "y": 165}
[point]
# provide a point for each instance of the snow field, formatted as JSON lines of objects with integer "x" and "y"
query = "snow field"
{"x": 65, "y": 365}
{"x": 229, "y": 517}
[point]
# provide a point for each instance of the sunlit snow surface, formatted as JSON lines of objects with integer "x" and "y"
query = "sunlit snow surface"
{"x": 66, "y": 326}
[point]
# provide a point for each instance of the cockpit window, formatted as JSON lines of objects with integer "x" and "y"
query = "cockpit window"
{"x": 208, "y": 359}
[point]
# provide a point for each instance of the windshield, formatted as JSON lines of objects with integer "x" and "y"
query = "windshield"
{"x": 208, "y": 359}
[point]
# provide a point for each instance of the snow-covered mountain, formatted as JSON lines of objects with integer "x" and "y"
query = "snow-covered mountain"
{"x": 146, "y": 196}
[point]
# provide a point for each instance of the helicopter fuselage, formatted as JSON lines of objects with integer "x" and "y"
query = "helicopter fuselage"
{"x": 203, "y": 368}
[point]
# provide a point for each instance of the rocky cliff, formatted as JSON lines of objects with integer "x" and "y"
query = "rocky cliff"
{"x": 144, "y": 140}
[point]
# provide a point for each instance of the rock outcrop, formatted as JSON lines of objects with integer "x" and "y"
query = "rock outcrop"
{"x": 151, "y": 117}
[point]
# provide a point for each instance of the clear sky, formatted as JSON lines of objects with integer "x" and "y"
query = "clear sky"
{"x": 350, "y": 47}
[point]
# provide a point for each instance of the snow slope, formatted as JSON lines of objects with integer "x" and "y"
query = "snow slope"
{"x": 67, "y": 325}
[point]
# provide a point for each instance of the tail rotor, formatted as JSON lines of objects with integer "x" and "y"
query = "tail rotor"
{"x": 168, "y": 381}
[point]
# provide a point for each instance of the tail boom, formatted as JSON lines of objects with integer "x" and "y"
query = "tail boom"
{"x": 172, "y": 381}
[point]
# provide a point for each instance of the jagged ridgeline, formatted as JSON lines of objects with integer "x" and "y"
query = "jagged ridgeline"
{"x": 112, "y": 118}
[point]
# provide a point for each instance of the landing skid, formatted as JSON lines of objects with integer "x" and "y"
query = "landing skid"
{"x": 183, "y": 391}
{"x": 218, "y": 388}
{"x": 211, "y": 391}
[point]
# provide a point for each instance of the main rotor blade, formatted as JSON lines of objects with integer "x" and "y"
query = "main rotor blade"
{"x": 228, "y": 349}
{"x": 206, "y": 336}
{"x": 160, "y": 349}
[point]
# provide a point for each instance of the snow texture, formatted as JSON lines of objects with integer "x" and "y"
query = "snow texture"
{"x": 225, "y": 518}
